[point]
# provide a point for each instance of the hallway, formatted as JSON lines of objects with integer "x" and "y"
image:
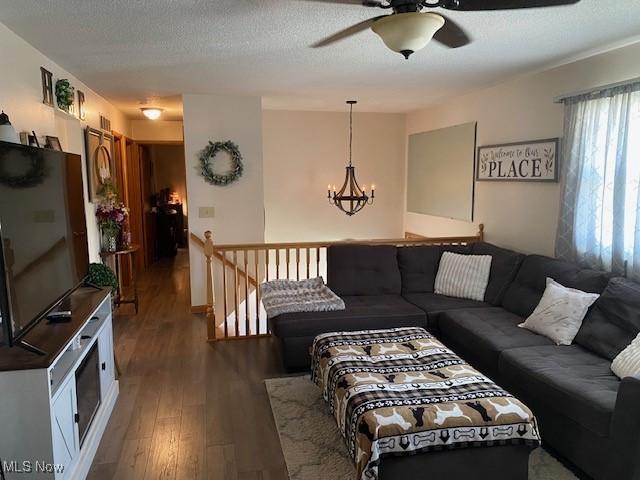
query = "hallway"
{"x": 187, "y": 409}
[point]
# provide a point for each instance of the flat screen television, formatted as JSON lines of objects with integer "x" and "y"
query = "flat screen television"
{"x": 43, "y": 236}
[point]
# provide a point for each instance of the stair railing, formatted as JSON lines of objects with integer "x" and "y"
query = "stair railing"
{"x": 235, "y": 271}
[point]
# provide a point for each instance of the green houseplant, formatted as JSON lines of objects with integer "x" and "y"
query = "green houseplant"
{"x": 101, "y": 275}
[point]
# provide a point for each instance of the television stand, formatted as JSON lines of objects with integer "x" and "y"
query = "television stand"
{"x": 56, "y": 406}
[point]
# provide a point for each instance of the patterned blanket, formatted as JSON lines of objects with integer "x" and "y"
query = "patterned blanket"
{"x": 312, "y": 295}
{"x": 401, "y": 391}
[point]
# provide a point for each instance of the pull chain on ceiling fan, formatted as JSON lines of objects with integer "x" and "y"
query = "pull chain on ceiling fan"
{"x": 410, "y": 28}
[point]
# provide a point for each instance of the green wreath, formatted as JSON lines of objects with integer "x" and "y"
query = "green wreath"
{"x": 35, "y": 175}
{"x": 209, "y": 153}
{"x": 64, "y": 94}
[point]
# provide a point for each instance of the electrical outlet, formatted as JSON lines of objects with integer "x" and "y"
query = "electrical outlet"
{"x": 206, "y": 212}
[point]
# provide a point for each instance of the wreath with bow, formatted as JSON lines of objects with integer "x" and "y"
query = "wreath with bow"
{"x": 34, "y": 174}
{"x": 209, "y": 153}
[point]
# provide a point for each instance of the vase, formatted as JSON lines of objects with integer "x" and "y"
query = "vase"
{"x": 109, "y": 240}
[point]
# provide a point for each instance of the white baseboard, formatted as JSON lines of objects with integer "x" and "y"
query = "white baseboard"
{"x": 92, "y": 440}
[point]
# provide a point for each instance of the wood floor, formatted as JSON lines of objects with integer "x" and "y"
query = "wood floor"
{"x": 187, "y": 409}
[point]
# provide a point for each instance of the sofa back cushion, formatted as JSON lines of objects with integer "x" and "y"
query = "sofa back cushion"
{"x": 419, "y": 265}
{"x": 504, "y": 267}
{"x": 525, "y": 292}
{"x": 363, "y": 270}
{"x": 614, "y": 320}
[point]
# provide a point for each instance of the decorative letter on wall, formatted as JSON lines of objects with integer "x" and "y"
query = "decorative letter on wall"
{"x": 535, "y": 161}
{"x": 47, "y": 86}
{"x": 82, "y": 113}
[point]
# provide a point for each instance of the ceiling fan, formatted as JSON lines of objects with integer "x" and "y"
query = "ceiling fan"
{"x": 409, "y": 27}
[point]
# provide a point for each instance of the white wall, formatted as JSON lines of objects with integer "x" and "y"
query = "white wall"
{"x": 239, "y": 207}
{"x": 518, "y": 215}
{"x": 156, "y": 130}
{"x": 306, "y": 151}
{"x": 21, "y": 99}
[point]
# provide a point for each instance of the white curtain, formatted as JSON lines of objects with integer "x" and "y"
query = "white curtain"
{"x": 600, "y": 216}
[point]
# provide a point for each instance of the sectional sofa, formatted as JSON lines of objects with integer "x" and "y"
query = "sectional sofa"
{"x": 586, "y": 414}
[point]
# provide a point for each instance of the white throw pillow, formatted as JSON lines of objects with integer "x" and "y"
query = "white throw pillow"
{"x": 463, "y": 276}
{"x": 560, "y": 313}
{"x": 627, "y": 363}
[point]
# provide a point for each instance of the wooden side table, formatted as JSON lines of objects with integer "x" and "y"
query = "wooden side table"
{"x": 115, "y": 259}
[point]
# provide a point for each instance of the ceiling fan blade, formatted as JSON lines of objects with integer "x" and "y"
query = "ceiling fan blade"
{"x": 365, "y": 3}
{"x": 347, "y": 32}
{"x": 470, "y": 5}
{"x": 451, "y": 34}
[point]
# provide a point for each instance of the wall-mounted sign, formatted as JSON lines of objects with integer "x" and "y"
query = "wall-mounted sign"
{"x": 535, "y": 161}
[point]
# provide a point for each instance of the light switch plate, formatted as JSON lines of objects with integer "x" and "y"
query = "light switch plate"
{"x": 206, "y": 212}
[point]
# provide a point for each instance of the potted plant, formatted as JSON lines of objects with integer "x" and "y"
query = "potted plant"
{"x": 100, "y": 275}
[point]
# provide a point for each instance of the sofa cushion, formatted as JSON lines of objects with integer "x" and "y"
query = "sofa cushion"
{"x": 569, "y": 380}
{"x": 361, "y": 313}
{"x": 613, "y": 321}
{"x": 435, "y": 303}
{"x": 419, "y": 265}
{"x": 504, "y": 266}
{"x": 525, "y": 292}
{"x": 363, "y": 270}
{"x": 483, "y": 333}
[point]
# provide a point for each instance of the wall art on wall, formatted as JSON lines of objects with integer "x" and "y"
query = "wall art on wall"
{"x": 101, "y": 168}
{"x": 82, "y": 113}
{"x": 53, "y": 143}
{"x": 47, "y": 86}
{"x": 105, "y": 123}
{"x": 65, "y": 93}
{"x": 533, "y": 161}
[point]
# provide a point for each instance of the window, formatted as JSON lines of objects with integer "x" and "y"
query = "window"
{"x": 600, "y": 215}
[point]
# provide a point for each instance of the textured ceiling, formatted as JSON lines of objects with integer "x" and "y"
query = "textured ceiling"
{"x": 130, "y": 50}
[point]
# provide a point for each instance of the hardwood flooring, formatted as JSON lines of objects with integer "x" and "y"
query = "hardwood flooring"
{"x": 187, "y": 409}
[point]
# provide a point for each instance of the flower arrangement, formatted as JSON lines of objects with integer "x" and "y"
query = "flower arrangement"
{"x": 111, "y": 217}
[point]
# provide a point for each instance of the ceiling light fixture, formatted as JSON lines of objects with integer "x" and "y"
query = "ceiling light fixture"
{"x": 350, "y": 198}
{"x": 407, "y": 33}
{"x": 151, "y": 113}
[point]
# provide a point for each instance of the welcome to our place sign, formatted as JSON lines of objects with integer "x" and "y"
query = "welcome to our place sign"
{"x": 524, "y": 161}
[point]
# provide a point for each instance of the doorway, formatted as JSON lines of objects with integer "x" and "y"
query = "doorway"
{"x": 162, "y": 196}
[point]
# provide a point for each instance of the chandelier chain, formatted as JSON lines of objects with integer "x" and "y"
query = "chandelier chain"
{"x": 350, "y": 132}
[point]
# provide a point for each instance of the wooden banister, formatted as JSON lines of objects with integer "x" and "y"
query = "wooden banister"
{"x": 219, "y": 256}
{"x": 244, "y": 265}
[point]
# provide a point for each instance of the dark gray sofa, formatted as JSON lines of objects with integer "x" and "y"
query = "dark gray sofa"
{"x": 586, "y": 414}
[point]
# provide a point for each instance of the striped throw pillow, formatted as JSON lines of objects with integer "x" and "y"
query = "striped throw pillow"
{"x": 627, "y": 363}
{"x": 463, "y": 276}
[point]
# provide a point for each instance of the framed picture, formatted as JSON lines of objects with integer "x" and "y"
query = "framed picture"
{"x": 53, "y": 143}
{"x": 101, "y": 170}
{"x": 33, "y": 140}
{"x": 533, "y": 161}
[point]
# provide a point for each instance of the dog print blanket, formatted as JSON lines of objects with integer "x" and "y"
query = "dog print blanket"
{"x": 401, "y": 391}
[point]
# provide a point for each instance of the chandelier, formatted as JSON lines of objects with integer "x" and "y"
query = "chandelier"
{"x": 351, "y": 198}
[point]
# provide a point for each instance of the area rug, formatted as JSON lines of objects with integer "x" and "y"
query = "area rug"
{"x": 314, "y": 450}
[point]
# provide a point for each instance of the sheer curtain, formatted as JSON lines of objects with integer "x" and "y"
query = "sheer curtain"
{"x": 600, "y": 216}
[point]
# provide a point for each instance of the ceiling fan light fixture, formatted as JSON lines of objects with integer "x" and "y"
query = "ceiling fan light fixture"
{"x": 151, "y": 113}
{"x": 407, "y": 33}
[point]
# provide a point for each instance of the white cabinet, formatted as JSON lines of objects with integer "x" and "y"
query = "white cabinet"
{"x": 64, "y": 428}
{"x": 40, "y": 412}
